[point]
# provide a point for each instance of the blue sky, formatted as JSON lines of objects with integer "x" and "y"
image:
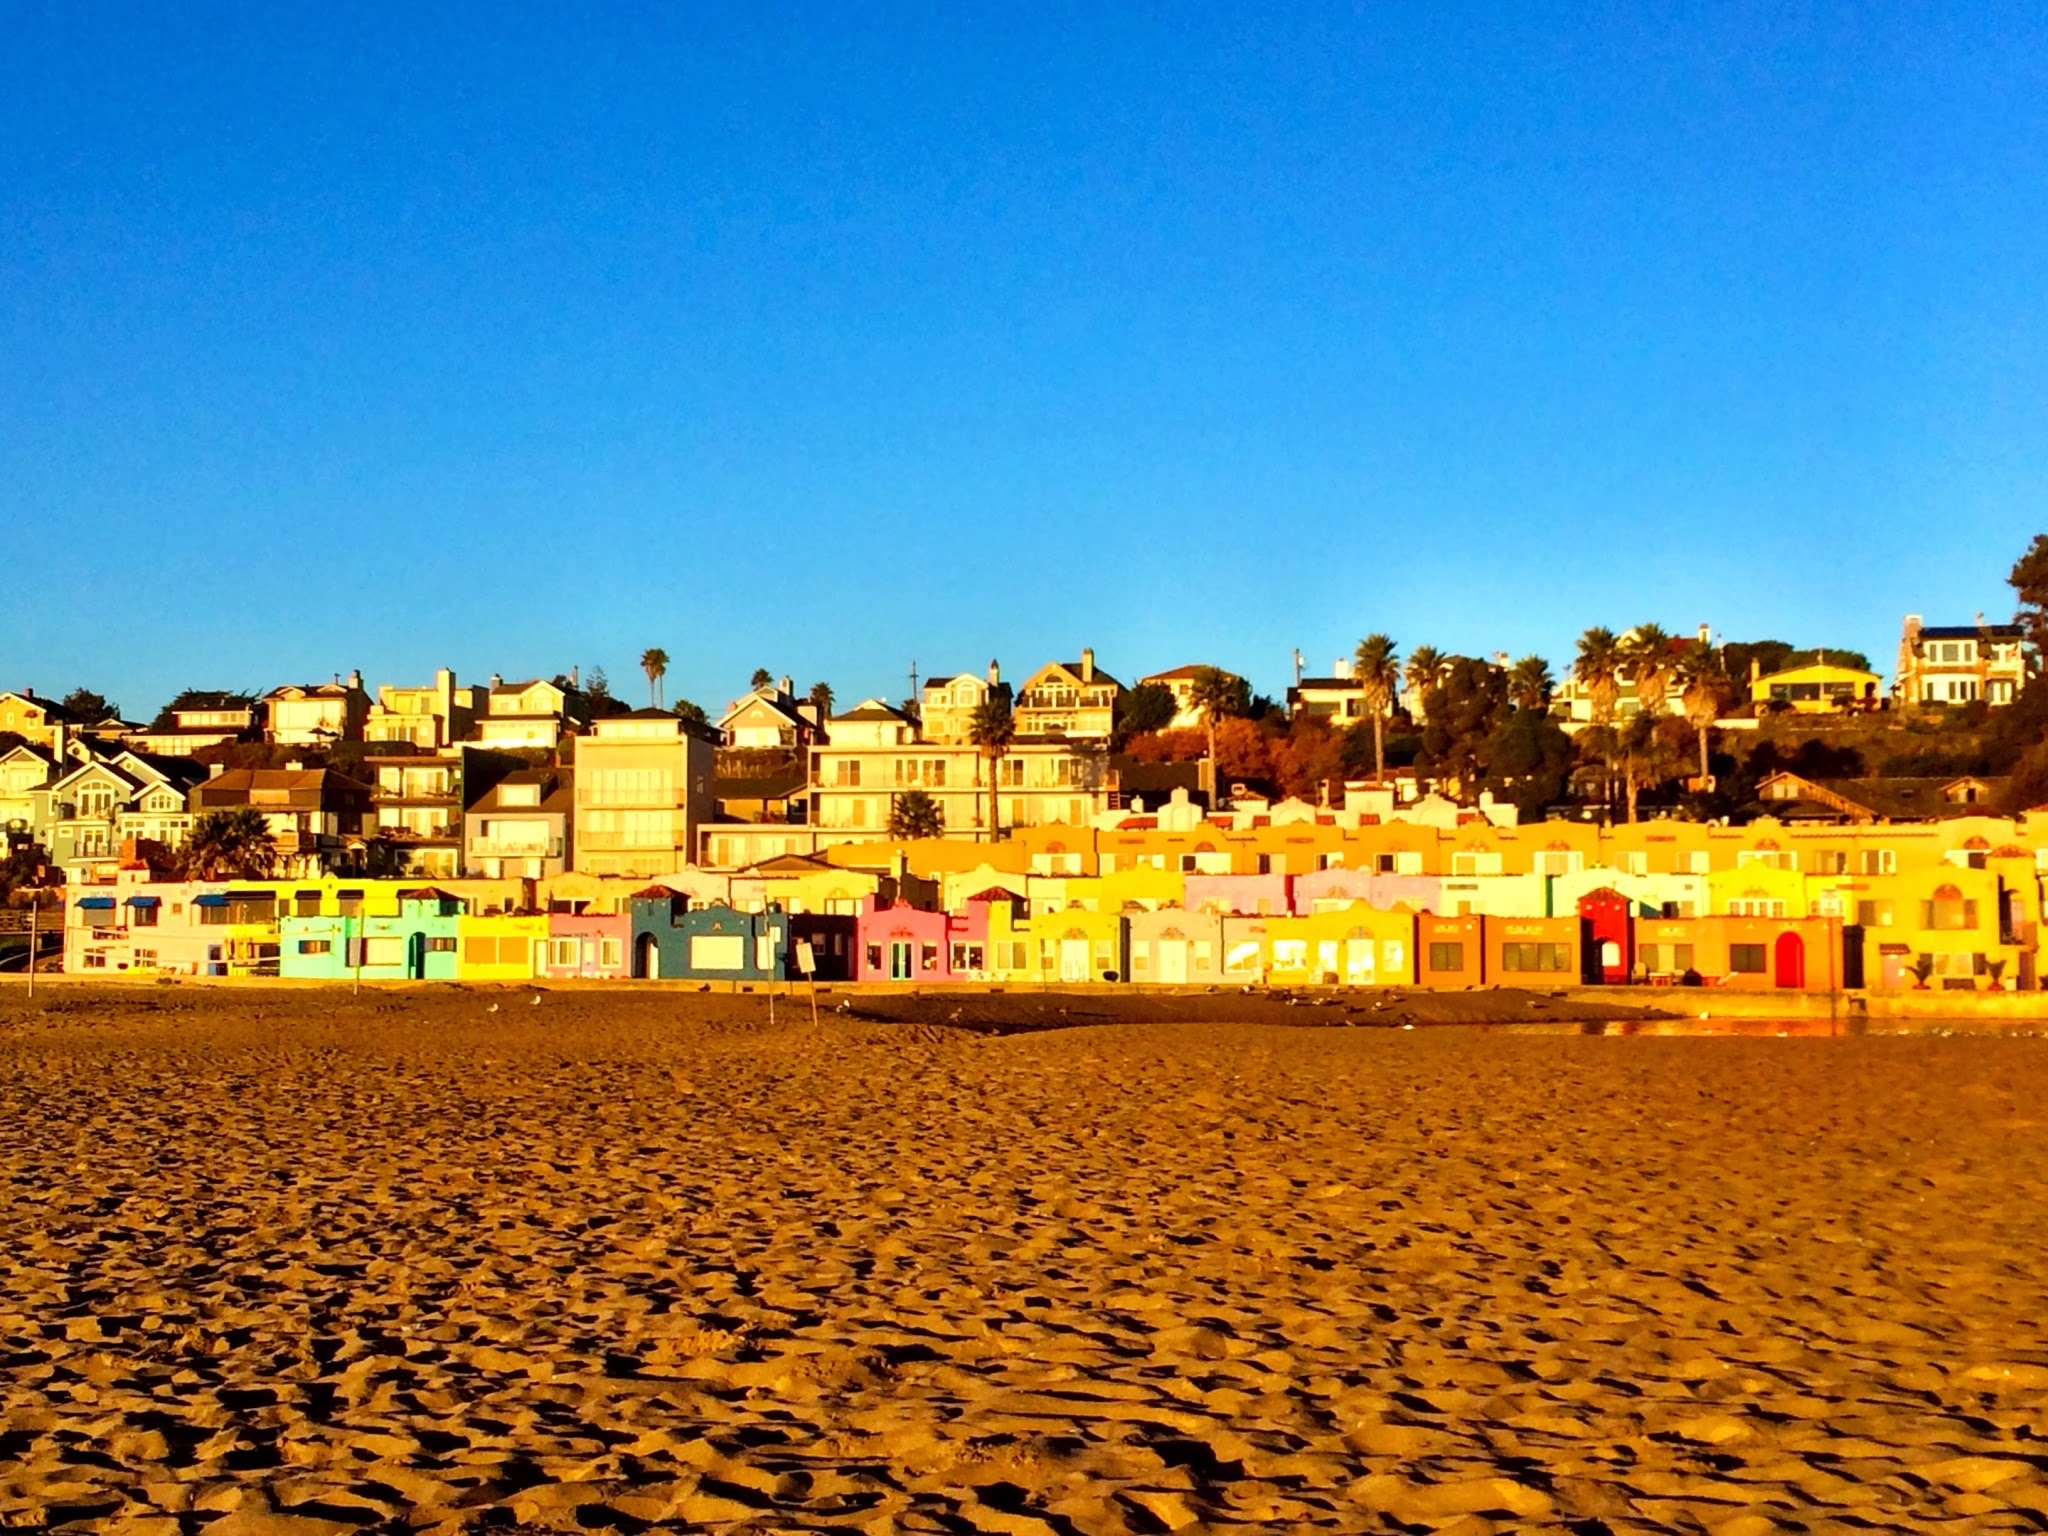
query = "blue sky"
{"x": 833, "y": 338}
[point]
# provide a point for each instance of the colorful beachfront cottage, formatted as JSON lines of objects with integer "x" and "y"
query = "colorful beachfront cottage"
{"x": 586, "y": 945}
{"x": 1355, "y": 945}
{"x": 674, "y": 939}
{"x": 895, "y": 942}
{"x": 501, "y": 946}
{"x": 137, "y": 926}
{"x": 1172, "y": 947}
{"x": 1750, "y": 954}
{"x": 416, "y": 943}
{"x": 1075, "y": 946}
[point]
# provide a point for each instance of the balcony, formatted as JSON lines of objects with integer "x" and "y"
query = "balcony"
{"x": 551, "y": 849}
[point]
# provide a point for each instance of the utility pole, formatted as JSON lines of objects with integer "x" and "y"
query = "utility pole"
{"x": 35, "y": 904}
{"x": 1297, "y": 666}
{"x": 913, "y": 682}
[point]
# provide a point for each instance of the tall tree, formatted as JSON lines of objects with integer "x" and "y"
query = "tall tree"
{"x": 1424, "y": 670}
{"x": 821, "y": 695}
{"x": 1705, "y": 687}
{"x": 1530, "y": 684}
{"x": 992, "y": 728}
{"x": 90, "y": 708}
{"x": 1466, "y": 716}
{"x": 229, "y": 845}
{"x": 1647, "y": 659}
{"x": 1377, "y": 666}
{"x": 2029, "y": 580}
{"x": 654, "y": 662}
{"x": 1217, "y": 695}
{"x": 1598, "y": 669}
{"x": 915, "y": 814}
{"x": 762, "y": 678}
{"x": 688, "y": 710}
{"x": 1146, "y": 708}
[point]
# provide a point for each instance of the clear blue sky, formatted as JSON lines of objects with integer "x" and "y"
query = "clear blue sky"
{"x": 827, "y": 338}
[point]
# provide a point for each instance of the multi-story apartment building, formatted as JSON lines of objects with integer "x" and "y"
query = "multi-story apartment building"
{"x": 1956, "y": 664}
{"x": 417, "y": 798}
{"x": 316, "y": 815}
{"x": 1073, "y": 699}
{"x": 316, "y": 714}
{"x": 877, "y": 753}
{"x": 522, "y": 825}
{"x": 643, "y": 788}
{"x": 430, "y": 716}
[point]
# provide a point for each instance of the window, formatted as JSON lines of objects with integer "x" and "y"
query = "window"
{"x": 1475, "y": 863}
{"x": 1755, "y": 906}
{"x": 142, "y": 917}
{"x": 1830, "y": 861}
{"x": 563, "y": 954}
{"x": 1694, "y": 862}
{"x": 1748, "y": 959}
{"x": 306, "y": 904}
{"x": 316, "y": 946}
{"x": 928, "y": 957}
{"x": 967, "y": 957}
{"x": 1556, "y": 862}
{"x": 1948, "y": 912}
{"x": 1665, "y": 959}
{"x": 349, "y": 903}
{"x": 96, "y": 960}
{"x": 1535, "y": 957}
{"x": 145, "y": 957}
{"x": 1242, "y": 956}
{"x": 874, "y": 957}
{"x": 1447, "y": 957}
{"x": 1636, "y": 863}
{"x": 609, "y": 953}
{"x": 441, "y": 946}
{"x": 1290, "y": 954}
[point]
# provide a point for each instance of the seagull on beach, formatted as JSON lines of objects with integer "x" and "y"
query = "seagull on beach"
{"x": 536, "y": 999}
{"x": 492, "y": 1009}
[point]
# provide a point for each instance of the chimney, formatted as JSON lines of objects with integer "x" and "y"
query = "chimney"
{"x": 575, "y": 677}
{"x": 497, "y": 682}
{"x": 995, "y": 674}
{"x": 215, "y": 770}
{"x": 1756, "y": 669}
{"x": 355, "y": 677}
{"x": 787, "y": 687}
{"x": 1706, "y": 635}
{"x": 1087, "y": 664}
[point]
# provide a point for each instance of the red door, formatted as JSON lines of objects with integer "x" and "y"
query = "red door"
{"x": 1791, "y": 961}
{"x": 1606, "y": 939}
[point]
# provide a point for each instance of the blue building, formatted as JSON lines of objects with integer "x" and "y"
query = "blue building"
{"x": 672, "y": 939}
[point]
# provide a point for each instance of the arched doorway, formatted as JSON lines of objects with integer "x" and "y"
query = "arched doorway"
{"x": 1790, "y": 967}
{"x": 646, "y": 957}
{"x": 416, "y": 955}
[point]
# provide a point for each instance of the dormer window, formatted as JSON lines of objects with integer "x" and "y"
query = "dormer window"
{"x": 519, "y": 794}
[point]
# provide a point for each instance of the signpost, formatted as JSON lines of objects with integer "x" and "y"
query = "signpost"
{"x": 807, "y": 962}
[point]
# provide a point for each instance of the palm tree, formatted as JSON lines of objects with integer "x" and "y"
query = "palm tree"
{"x": 915, "y": 814}
{"x": 1701, "y": 671}
{"x": 1598, "y": 668}
{"x": 992, "y": 728}
{"x": 1648, "y": 662}
{"x": 821, "y": 695}
{"x": 762, "y": 678}
{"x": 1530, "y": 684}
{"x": 1217, "y": 695}
{"x": 654, "y": 662}
{"x": 230, "y": 845}
{"x": 1425, "y": 667}
{"x": 1377, "y": 667}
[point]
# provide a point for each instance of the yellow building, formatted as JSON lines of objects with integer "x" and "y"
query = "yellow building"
{"x": 37, "y": 720}
{"x": 503, "y": 948}
{"x": 1348, "y": 946}
{"x": 1069, "y": 948}
{"x": 1817, "y": 688}
{"x": 1121, "y": 890}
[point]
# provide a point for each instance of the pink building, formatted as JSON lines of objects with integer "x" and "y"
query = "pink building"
{"x": 901, "y": 943}
{"x": 593, "y": 944}
{"x": 1242, "y": 895}
{"x": 1338, "y": 886}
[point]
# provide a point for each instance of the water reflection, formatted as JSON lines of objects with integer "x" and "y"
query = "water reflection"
{"x": 1782, "y": 1029}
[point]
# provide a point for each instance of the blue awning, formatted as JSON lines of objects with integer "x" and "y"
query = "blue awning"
{"x": 145, "y": 901}
{"x": 210, "y": 899}
{"x": 96, "y": 902}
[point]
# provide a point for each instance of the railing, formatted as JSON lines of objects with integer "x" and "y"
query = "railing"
{"x": 552, "y": 849}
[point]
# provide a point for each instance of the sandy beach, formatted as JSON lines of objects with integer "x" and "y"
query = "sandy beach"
{"x": 292, "y": 1262}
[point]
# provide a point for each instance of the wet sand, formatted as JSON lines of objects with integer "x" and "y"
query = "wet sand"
{"x": 287, "y": 1262}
